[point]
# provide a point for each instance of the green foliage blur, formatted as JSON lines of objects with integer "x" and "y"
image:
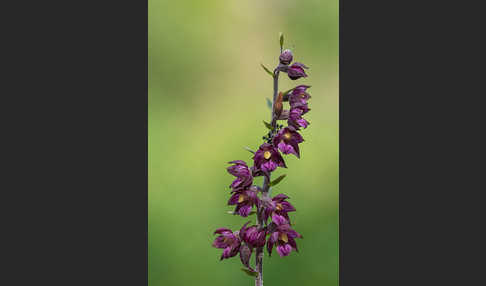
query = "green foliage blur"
{"x": 207, "y": 101}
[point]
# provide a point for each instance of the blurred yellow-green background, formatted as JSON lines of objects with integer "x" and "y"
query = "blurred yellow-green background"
{"x": 206, "y": 102}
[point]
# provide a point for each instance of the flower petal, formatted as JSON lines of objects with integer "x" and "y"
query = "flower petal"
{"x": 284, "y": 249}
{"x": 280, "y": 197}
{"x": 244, "y": 211}
{"x": 221, "y": 230}
{"x": 278, "y": 219}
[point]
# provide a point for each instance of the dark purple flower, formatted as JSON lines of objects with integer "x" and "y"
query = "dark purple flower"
{"x": 286, "y": 57}
{"x": 295, "y": 118}
{"x": 282, "y": 235}
{"x": 242, "y": 173}
{"x": 244, "y": 199}
{"x": 227, "y": 240}
{"x": 296, "y": 71}
{"x": 267, "y": 158}
{"x": 287, "y": 140}
{"x": 299, "y": 96}
{"x": 253, "y": 235}
{"x": 278, "y": 205}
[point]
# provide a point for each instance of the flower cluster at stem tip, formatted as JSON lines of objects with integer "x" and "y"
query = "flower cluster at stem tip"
{"x": 274, "y": 228}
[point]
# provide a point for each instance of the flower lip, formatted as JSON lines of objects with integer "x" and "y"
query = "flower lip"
{"x": 278, "y": 219}
{"x": 241, "y": 198}
{"x": 267, "y": 155}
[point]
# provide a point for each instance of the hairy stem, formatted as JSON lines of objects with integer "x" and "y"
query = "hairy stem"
{"x": 265, "y": 188}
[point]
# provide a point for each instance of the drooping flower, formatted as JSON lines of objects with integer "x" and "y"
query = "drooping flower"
{"x": 282, "y": 235}
{"x": 267, "y": 158}
{"x": 296, "y": 71}
{"x": 253, "y": 235}
{"x": 287, "y": 140}
{"x": 278, "y": 205}
{"x": 228, "y": 241}
{"x": 299, "y": 96}
{"x": 244, "y": 199}
{"x": 242, "y": 173}
{"x": 286, "y": 57}
{"x": 295, "y": 118}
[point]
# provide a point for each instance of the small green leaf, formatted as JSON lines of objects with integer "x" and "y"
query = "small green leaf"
{"x": 277, "y": 180}
{"x": 249, "y": 272}
{"x": 268, "y": 125}
{"x": 288, "y": 91}
{"x": 281, "y": 40}
{"x": 269, "y": 103}
{"x": 249, "y": 150}
{"x": 267, "y": 70}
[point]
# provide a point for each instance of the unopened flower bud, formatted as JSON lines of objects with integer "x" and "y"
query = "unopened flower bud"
{"x": 286, "y": 57}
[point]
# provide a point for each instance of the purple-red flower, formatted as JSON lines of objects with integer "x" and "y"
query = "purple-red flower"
{"x": 278, "y": 205}
{"x": 287, "y": 140}
{"x": 286, "y": 57}
{"x": 227, "y": 240}
{"x": 253, "y": 235}
{"x": 295, "y": 117}
{"x": 244, "y": 199}
{"x": 282, "y": 235}
{"x": 242, "y": 173}
{"x": 296, "y": 71}
{"x": 299, "y": 96}
{"x": 267, "y": 158}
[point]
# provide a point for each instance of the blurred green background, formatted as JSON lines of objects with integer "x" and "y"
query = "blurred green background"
{"x": 206, "y": 102}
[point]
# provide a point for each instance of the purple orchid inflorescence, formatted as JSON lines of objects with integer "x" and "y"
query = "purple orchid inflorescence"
{"x": 273, "y": 227}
